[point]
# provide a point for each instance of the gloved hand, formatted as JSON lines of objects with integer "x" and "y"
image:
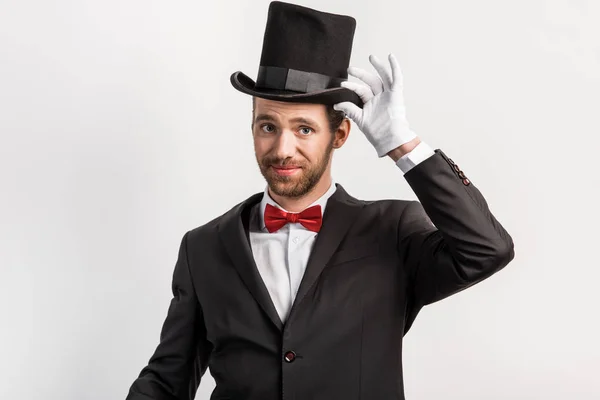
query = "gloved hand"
{"x": 382, "y": 118}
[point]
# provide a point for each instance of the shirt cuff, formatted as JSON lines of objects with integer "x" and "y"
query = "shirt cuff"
{"x": 420, "y": 153}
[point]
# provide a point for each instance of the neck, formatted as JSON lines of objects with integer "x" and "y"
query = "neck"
{"x": 300, "y": 203}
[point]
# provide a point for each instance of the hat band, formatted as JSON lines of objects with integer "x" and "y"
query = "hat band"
{"x": 293, "y": 79}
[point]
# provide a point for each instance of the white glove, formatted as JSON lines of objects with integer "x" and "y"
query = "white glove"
{"x": 382, "y": 118}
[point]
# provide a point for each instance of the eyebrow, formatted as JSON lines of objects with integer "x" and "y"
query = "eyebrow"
{"x": 302, "y": 120}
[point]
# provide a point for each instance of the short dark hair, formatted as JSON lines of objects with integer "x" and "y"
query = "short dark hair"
{"x": 334, "y": 117}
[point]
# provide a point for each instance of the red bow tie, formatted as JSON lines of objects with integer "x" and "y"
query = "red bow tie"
{"x": 275, "y": 218}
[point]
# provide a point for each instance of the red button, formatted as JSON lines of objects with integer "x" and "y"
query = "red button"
{"x": 289, "y": 356}
{"x": 466, "y": 182}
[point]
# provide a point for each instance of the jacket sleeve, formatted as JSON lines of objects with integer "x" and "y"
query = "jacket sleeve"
{"x": 180, "y": 360}
{"x": 449, "y": 240}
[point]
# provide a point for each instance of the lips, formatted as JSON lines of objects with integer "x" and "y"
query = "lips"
{"x": 286, "y": 170}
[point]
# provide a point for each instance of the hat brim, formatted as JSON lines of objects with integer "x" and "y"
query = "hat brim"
{"x": 245, "y": 84}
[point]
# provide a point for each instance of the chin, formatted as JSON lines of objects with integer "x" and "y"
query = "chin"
{"x": 287, "y": 188}
{"x": 282, "y": 185}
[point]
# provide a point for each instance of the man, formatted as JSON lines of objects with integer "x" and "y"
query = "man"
{"x": 303, "y": 291}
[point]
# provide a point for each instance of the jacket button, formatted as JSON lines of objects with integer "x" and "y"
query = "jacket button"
{"x": 450, "y": 161}
{"x": 289, "y": 356}
{"x": 461, "y": 175}
{"x": 456, "y": 168}
{"x": 466, "y": 182}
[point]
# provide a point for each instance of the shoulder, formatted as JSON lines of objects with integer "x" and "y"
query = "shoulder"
{"x": 392, "y": 208}
{"x": 206, "y": 228}
{"x": 387, "y": 206}
{"x": 383, "y": 215}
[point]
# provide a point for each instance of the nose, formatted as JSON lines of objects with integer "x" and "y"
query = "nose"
{"x": 285, "y": 145}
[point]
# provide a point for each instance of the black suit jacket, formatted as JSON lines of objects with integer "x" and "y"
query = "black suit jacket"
{"x": 373, "y": 266}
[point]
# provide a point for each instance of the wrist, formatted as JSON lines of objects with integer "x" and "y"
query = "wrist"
{"x": 400, "y": 151}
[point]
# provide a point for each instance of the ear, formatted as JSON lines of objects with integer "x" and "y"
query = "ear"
{"x": 341, "y": 135}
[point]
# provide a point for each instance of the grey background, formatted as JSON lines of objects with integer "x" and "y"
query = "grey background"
{"x": 119, "y": 131}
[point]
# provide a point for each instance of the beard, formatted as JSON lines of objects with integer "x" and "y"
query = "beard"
{"x": 299, "y": 184}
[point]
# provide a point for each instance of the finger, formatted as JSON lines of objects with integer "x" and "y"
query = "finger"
{"x": 396, "y": 73}
{"x": 370, "y": 79}
{"x": 350, "y": 109}
{"x": 362, "y": 90}
{"x": 382, "y": 70}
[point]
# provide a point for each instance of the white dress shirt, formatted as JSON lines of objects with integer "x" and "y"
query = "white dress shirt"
{"x": 281, "y": 257}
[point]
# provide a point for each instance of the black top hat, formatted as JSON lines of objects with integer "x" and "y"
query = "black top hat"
{"x": 305, "y": 57}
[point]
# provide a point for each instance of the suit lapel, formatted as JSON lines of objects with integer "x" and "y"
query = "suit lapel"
{"x": 340, "y": 213}
{"x": 233, "y": 232}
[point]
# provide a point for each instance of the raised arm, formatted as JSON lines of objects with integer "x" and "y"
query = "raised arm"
{"x": 467, "y": 243}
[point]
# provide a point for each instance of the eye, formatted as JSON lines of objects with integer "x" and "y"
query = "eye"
{"x": 262, "y": 127}
{"x": 305, "y": 128}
